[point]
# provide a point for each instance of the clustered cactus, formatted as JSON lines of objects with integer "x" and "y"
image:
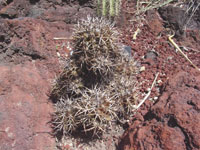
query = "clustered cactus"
{"x": 108, "y": 7}
{"x": 98, "y": 87}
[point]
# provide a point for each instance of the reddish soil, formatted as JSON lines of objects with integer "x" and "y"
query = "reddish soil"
{"x": 169, "y": 118}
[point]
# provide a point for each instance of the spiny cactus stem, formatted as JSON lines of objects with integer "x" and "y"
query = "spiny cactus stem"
{"x": 112, "y": 8}
{"x": 104, "y": 10}
{"x": 117, "y": 7}
{"x": 98, "y": 7}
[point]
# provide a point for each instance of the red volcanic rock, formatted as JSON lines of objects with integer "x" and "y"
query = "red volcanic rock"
{"x": 28, "y": 64}
{"x": 173, "y": 122}
{"x": 154, "y": 22}
{"x": 12, "y": 9}
{"x": 24, "y": 108}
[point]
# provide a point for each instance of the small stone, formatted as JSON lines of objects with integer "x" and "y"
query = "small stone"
{"x": 19, "y": 104}
{"x": 127, "y": 51}
{"x": 142, "y": 68}
{"x": 151, "y": 55}
{"x": 58, "y": 54}
{"x": 71, "y": 52}
{"x": 159, "y": 81}
{"x": 13, "y": 144}
{"x": 10, "y": 135}
{"x": 170, "y": 58}
{"x": 148, "y": 89}
{"x": 155, "y": 98}
{"x": 7, "y": 129}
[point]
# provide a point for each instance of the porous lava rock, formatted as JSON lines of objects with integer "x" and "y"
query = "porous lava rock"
{"x": 173, "y": 122}
{"x": 181, "y": 19}
{"x": 28, "y": 63}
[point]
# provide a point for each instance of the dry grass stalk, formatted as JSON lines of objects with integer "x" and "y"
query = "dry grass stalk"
{"x": 178, "y": 48}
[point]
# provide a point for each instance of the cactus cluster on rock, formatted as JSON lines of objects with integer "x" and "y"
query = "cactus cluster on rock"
{"x": 98, "y": 87}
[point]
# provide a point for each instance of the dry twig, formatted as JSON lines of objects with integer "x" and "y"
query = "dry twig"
{"x": 178, "y": 48}
{"x": 145, "y": 98}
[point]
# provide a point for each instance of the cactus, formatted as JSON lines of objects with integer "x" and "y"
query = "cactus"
{"x": 98, "y": 87}
{"x": 114, "y": 7}
{"x": 99, "y": 7}
{"x": 95, "y": 43}
{"x": 117, "y": 7}
{"x": 104, "y": 7}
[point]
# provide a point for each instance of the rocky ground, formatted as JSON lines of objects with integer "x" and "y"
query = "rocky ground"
{"x": 168, "y": 120}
